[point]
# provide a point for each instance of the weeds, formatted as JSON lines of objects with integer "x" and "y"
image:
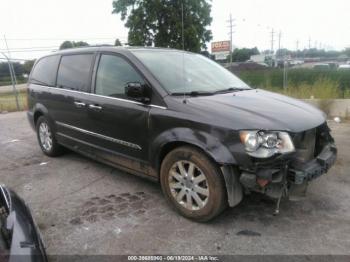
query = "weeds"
{"x": 8, "y": 101}
{"x": 302, "y": 83}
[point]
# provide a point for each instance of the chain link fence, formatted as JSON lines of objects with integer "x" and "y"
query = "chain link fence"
{"x": 13, "y": 97}
{"x": 8, "y": 101}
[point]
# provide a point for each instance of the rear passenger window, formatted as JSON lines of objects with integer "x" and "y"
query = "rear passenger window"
{"x": 74, "y": 72}
{"x": 113, "y": 74}
{"x": 45, "y": 70}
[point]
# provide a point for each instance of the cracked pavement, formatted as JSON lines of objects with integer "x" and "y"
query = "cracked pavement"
{"x": 84, "y": 207}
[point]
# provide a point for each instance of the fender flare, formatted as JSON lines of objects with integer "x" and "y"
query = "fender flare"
{"x": 212, "y": 147}
{"x": 209, "y": 144}
{"x": 40, "y": 108}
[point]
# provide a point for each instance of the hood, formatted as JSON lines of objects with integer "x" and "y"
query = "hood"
{"x": 257, "y": 109}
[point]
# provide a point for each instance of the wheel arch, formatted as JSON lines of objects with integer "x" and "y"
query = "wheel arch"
{"x": 208, "y": 145}
{"x": 171, "y": 139}
{"x": 40, "y": 110}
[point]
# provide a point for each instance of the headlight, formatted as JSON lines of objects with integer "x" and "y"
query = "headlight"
{"x": 263, "y": 144}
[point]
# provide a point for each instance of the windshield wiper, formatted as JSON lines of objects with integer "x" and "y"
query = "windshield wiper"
{"x": 193, "y": 93}
{"x": 230, "y": 89}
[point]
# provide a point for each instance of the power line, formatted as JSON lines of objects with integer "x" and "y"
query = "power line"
{"x": 16, "y": 59}
{"x": 65, "y": 38}
{"x": 27, "y": 48}
{"x": 279, "y": 40}
{"x": 34, "y": 50}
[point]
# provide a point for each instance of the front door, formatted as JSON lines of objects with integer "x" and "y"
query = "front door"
{"x": 120, "y": 124}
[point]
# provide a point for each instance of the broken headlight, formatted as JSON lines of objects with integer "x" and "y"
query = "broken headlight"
{"x": 263, "y": 144}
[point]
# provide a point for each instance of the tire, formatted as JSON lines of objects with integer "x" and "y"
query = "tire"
{"x": 47, "y": 142}
{"x": 211, "y": 191}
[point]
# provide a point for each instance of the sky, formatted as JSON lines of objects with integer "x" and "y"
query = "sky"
{"x": 37, "y": 27}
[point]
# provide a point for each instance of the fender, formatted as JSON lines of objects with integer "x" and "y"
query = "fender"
{"x": 40, "y": 108}
{"x": 208, "y": 143}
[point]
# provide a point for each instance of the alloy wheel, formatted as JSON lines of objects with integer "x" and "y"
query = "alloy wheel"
{"x": 45, "y": 136}
{"x": 188, "y": 185}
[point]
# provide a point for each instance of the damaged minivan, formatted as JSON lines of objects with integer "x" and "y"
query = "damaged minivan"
{"x": 178, "y": 118}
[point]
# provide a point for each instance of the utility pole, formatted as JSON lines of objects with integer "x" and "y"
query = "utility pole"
{"x": 309, "y": 42}
{"x": 9, "y": 55}
{"x": 285, "y": 74}
{"x": 279, "y": 40}
{"x": 297, "y": 45}
{"x": 272, "y": 40}
{"x": 231, "y": 25}
{"x": 12, "y": 72}
{"x": 12, "y": 79}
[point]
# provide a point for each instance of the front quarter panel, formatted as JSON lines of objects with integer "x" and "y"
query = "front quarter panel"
{"x": 169, "y": 126}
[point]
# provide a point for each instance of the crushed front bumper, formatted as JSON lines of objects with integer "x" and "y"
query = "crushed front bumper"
{"x": 316, "y": 167}
{"x": 288, "y": 173}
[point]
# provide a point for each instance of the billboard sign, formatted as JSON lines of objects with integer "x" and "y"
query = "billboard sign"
{"x": 221, "y": 46}
{"x": 220, "y": 49}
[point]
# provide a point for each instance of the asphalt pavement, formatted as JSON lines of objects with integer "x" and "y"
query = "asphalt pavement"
{"x": 84, "y": 207}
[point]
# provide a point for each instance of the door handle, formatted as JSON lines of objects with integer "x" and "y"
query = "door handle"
{"x": 95, "y": 107}
{"x": 79, "y": 104}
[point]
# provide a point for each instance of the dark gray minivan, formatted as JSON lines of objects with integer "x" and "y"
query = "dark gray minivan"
{"x": 178, "y": 118}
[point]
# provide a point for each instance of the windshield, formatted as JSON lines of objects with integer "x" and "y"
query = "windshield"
{"x": 182, "y": 72}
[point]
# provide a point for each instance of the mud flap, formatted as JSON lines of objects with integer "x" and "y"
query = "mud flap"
{"x": 233, "y": 186}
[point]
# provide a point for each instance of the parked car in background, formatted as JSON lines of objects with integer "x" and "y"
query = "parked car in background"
{"x": 344, "y": 67}
{"x": 321, "y": 66}
{"x": 19, "y": 236}
{"x": 178, "y": 118}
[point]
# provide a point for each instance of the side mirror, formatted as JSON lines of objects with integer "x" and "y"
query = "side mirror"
{"x": 137, "y": 91}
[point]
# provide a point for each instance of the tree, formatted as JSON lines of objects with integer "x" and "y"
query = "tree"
{"x": 17, "y": 67}
{"x": 347, "y": 51}
{"x": 28, "y": 65}
{"x": 243, "y": 54}
{"x": 72, "y": 44}
{"x": 66, "y": 45}
{"x": 117, "y": 42}
{"x": 159, "y": 22}
{"x": 80, "y": 43}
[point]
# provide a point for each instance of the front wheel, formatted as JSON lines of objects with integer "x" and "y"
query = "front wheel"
{"x": 193, "y": 184}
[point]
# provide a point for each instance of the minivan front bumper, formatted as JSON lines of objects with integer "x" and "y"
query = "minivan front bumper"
{"x": 316, "y": 167}
{"x": 315, "y": 154}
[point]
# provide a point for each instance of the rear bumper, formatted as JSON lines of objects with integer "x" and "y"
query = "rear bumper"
{"x": 316, "y": 167}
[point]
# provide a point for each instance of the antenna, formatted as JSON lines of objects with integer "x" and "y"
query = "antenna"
{"x": 183, "y": 51}
{"x": 182, "y": 24}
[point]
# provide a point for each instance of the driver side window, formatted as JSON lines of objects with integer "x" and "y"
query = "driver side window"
{"x": 113, "y": 74}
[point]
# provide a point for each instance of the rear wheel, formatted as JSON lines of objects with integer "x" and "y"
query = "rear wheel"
{"x": 46, "y": 138}
{"x": 193, "y": 184}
